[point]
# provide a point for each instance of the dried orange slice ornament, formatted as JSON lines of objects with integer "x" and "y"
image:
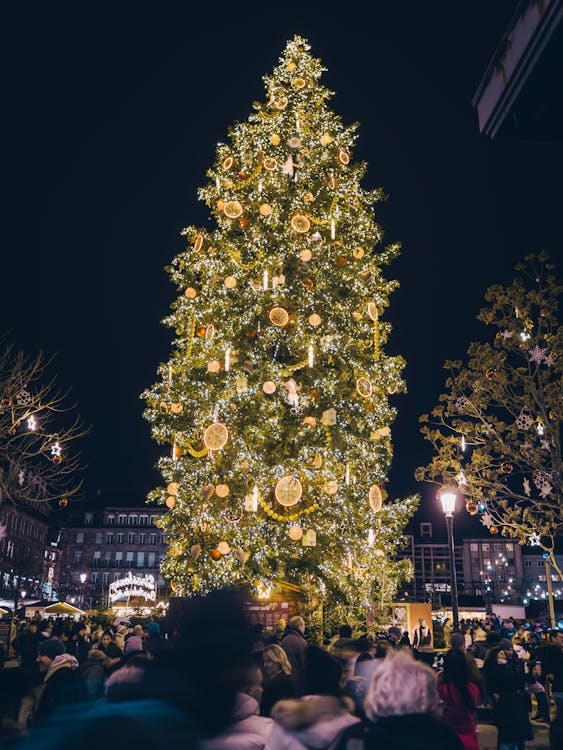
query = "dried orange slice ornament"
{"x": 300, "y": 224}
{"x": 215, "y": 436}
{"x": 228, "y": 162}
{"x": 278, "y": 316}
{"x": 280, "y": 102}
{"x": 232, "y": 209}
{"x": 270, "y": 164}
{"x": 265, "y": 209}
{"x": 344, "y": 157}
{"x": 288, "y": 491}
{"x": 364, "y": 387}
{"x": 299, "y": 83}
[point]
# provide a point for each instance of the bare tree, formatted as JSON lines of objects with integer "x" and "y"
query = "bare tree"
{"x": 497, "y": 430}
{"x": 38, "y": 433}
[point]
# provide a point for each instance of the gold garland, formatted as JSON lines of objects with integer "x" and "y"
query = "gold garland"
{"x": 191, "y": 344}
{"x": 196, "y": 454}
{"x": 278, "y": 517}
{"x": 245, "y": 266}
{"x": 375, "y": 339}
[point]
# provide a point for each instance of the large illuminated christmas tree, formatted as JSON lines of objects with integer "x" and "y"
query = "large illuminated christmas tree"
{"x": 275, "y": 399}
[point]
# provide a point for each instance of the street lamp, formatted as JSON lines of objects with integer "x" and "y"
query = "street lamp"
{"x": 447, "y": 497}
{"x": 83, "y": 577}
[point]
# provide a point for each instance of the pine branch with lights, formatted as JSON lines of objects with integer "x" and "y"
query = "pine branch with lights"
{"x": 39, "y": 431}
{"x": 275, "y": 399}
{"x": 497, "y": 430}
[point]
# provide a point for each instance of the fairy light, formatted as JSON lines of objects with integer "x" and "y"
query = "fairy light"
{"x": 332, "y": 229}
{"x": 347, "y": 474}
{"x": 540, "y": 428}
{"x": 227, "y": 358}
{"x": 265, "y": 280}
{"x": 311, "y": 356}
{"x": 371, "y": 538}
{"x": 463, "y": 443}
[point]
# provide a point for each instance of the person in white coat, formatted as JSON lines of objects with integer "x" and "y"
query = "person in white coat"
{"x": 320, "y": 717}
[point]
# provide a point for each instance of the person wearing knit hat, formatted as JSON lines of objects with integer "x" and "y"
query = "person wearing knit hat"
{"x": 60, "y": 681}
{"x": 133, "y": 645}
{"x": 153, "y": 628}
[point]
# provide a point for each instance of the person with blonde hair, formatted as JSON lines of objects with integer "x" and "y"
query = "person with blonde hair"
{"x": 403, "y": 705}
{"x": 277, "y": 680}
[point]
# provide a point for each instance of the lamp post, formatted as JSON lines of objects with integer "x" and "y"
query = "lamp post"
{"x": 447, "y": 497}
{"x": 83, "y": 577}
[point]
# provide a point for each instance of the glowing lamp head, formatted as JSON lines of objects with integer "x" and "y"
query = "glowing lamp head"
{"x": 447, "y": 497}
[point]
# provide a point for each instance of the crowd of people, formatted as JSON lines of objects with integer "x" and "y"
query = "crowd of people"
{"x": 216, "y": 683}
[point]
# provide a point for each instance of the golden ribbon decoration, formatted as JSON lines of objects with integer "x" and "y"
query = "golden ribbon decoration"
{"x": 278, "y": 517}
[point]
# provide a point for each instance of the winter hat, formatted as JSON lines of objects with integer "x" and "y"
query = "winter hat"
{"x": 505, "y": 643}
{"x": 322, "y": 672}
{"x": 492, "y": 638}
{"x": 51, "y": 648}
{"x": 134, "y": 643}
{"x": 458, "y": 640}
{"x": 153, "y": 628}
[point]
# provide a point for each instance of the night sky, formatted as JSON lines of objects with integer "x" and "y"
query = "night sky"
{"x": 111, "y": 114}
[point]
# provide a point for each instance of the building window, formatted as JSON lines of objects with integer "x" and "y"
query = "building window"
{"x": 133, "y": 520}
{"x": 120, "y": 538}
{"x": 142, "y": 538}
{"x": 116, "y": 576}
{"x": 485, "y": 547}
{"x": 541, "y": 578}
{"x": 152, "y": 538}
{"x": 153, "y": 519}
{"x": 119, "y": 559}
{"x": 426, "y": 529}
{"x": 162, "y": 540}
{"x": 107, "y": 557}
{"x": 96, "y": 558}
{"x": 122, "y": 519}
{"x": 151, "y": 559}
{"x": 110, "y": 520}
{"x": 105, "y": 579}
{"x": 99, "y": 537}
{"x": 509, "y": 546}
{"x": 143, "y": 520}
{"x": 77, "y": 557}
{"x": 497, "y": 546}
{"x": 474, "y": 547}
{"x": 109, "y": 538}
{"x": 129, "y": 558}
{"x": 95, "y": 578}
{"x": 79, "y": 537}
{"x": 88, "y": 519}
{"x": 527, "y": 563}
{"x": 540, "y": 563}
{"x": 131, "y": 538}
{"x": 140, "y": 559}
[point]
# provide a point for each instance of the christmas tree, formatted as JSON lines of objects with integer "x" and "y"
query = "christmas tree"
{"x": 275, "y": 399}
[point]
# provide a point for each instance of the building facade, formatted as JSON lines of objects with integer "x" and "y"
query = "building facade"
{"x": 28, "y": 553}
{"x": 101, "y": 547}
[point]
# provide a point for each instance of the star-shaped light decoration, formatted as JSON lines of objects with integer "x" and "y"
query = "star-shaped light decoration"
{"x": 21, "y": 477}
{"x": 537, "y": 354}
{"x": 487, "y": 520}
{"x": 31, "y": 423}
{"x": 56, "y": 449}
{"x": 534, "y": 540}
{"x": 507, "y": 334}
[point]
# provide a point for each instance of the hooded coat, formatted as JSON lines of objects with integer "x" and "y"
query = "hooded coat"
{"x": 248, "y": 730}
{"x": 318, "y": 722}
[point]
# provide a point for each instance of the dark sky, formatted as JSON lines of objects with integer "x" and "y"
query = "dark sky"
{"x": 111, "y": 113}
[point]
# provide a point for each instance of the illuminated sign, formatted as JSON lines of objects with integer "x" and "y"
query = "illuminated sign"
{"x": 132, "y": 587}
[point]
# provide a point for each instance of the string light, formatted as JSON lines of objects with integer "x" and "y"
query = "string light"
{"x": 227, "y": 358}
{"x": 463, "y": 442}
{"x": 311, "y": 356}
{"x": 265, "y": 280}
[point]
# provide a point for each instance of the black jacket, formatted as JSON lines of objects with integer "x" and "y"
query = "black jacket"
{"x": 411, "y": 732}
